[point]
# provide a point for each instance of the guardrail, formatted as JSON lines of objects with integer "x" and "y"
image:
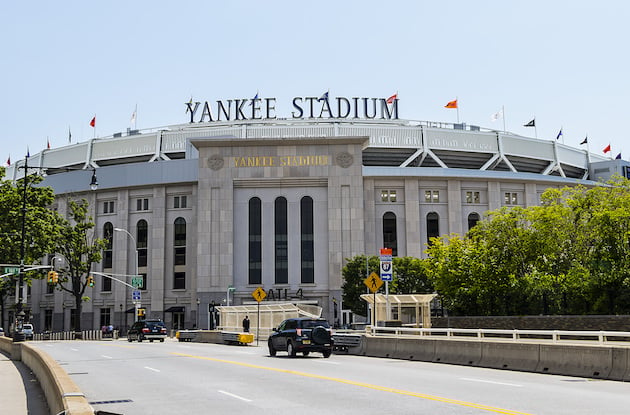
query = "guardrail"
{"x": 71, "y": 335}
{"x": 554, "y": 336}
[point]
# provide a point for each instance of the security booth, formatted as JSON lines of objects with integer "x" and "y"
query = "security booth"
{"x": 271, "y": 315}
{"x": 411, "y": 310}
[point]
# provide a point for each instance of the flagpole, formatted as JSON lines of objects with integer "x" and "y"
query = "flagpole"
{"x": 503, "y": 113}
{"x": 457, "y": 108}
{"x": 535, "y": 129}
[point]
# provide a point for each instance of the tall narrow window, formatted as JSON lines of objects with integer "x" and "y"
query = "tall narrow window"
{"x": 473, "y": 218}
{"x": 142, "y": 237}
{"x": 281, "y": 241}
{"x": 108, "y": 235}
{"x": 255, "y": 241}
{"x": 307, "y": 248}
{"x": 179, "y": 260}
{"x": 390, "y": 236}
{"x": 433, "y": 226}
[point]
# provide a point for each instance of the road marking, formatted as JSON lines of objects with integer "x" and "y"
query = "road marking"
{"x": 74, "y": 350}
{"x": 120, "y": 345}
{"x": 107, "y": 357}
{"x": 496, "y": 410}
{"x": 328, "y": 362}
{"x": 491, "y": 381}
{"x": 150, "y": 368}
{"x": 234, "y": 396}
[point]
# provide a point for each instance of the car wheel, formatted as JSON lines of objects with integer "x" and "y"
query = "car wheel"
{"x": 151, "y": 341}
{"x": 305, "y": 353}
{"x": 129, "y": 339}
{"x": 327, "y": 353}
{"x": 161, "y": 340}
{"x": 290, "y": 349}
{"x": 272, "y": 350}
{"x": 140, "y": 339}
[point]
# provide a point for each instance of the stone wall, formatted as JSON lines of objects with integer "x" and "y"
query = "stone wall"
{"x": 610, "y": 323}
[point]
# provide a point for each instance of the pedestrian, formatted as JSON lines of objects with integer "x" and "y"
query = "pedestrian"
{"x": 246, "y": 324}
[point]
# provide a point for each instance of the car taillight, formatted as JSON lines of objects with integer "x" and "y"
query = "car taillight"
{"x": 145, "y": 330}
{"x": 298, "y": 332}
{"x": 163, "y": 330}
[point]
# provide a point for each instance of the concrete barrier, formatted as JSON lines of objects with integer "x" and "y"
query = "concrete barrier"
{"x": 458, "y": 352}
{"x": 380, "y": 347}
{"x": 513, "y": 356}
{"x": 415, "y": 349}
{"x": 585, "y": 361}
{"x": 620, "y": 366}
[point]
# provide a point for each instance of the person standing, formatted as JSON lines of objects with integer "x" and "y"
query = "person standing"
{"x": 246, "y": 324}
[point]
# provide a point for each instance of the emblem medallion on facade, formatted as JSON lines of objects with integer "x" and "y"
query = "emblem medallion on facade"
{"x": 215, "y": 162}
{"x": 344, "y": 159}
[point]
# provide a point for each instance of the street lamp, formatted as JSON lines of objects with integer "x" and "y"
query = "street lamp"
{"x": 198, "y": 302}
{"x": 136, "y": 303}
{"x": 18, "y": 335}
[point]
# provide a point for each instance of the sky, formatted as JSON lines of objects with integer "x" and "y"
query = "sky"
{"x": 564, "y": 63}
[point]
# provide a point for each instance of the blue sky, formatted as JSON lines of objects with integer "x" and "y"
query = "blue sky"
{"x": 563, "y": 62}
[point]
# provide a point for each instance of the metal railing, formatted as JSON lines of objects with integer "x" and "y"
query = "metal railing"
{"x": 554, "y": 336}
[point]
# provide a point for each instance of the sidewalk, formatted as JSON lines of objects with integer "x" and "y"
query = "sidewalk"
{"x": 18, "y": 383}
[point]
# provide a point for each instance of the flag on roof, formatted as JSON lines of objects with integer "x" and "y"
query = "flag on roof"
{"x": 9, "y": 161}
{"x": 69, "y": 135}
{"x": 497, "y": 115}
{"x": 584, "y": 141}
{"x": 532, "y": 123}
{"x": 324, "y": 96}
{"x": 559, "y": 134}
{"x": 451, "y": 104}
{"x": 253, "y": 99}
{"x": 47, "y": 143}
{"x": 606, "y": 149}
{"x": 392, "y": 98}
{"x": 93, "y": 122}
{"x": 618, "y": 157}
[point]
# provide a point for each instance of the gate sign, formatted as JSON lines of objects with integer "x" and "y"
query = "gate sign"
{"x": 386, "y": 264}
{"x": 135, "y": 295}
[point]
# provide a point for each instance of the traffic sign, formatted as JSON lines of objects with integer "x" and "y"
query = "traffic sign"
{"x": 386, "y": 264}
{"x": 373, "y": 282}
{"x": 136, "y": 281}
{"x": 135, "y": 295}
{"x": 12, "y": 270}
{"x": 259, "y": 294}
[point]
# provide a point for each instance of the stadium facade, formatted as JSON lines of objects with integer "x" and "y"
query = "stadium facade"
{"x": 237, "y": 199}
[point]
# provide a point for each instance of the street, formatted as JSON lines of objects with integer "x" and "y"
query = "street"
{"x": 193, "y": 378}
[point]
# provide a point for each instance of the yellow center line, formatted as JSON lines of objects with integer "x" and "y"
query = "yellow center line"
{"x": 365, "y": 385}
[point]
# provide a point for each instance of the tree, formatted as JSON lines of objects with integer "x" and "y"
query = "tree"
{"x": 80, "y": 248}
{"x": 39, "y": 228}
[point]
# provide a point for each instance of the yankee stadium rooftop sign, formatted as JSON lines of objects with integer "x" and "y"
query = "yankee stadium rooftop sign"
{"x": 303, "y": 107}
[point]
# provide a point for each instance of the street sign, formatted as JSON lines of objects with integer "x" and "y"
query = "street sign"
{"x": 373, "y": 282}
{"x": 386, "y": 264}
{"x": 259, "y": 294}
{"x": 12, "y": 270}
{"x": 136, "y": 281}
{"x": 135, "y": 295}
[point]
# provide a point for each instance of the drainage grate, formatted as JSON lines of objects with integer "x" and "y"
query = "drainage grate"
{"x": 106, "y": 402}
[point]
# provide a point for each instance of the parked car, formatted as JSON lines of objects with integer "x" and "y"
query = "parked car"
{"x": 27, "y": 329}
{"x": 302, "y": 335}
{"x": 1, "y": 332}
{"x": 147, "y": 330}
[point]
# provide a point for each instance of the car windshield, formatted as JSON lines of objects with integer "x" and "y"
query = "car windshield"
{"x": 153, "y": 324}
{"x": 309, "y": 324}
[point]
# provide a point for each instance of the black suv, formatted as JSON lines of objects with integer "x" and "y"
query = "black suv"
{"x": 147, "y": 329}
{"x": 303, "y": 335}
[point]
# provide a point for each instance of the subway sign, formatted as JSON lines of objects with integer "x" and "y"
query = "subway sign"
{"x": 323, "y": 107}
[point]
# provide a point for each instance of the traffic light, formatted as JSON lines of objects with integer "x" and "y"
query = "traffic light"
{"x": 141, "y": 312}
{"x": 52, "y": 277}
{"x": 90, "y": 281}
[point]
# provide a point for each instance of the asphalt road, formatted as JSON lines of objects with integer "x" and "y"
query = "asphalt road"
{"x": 193, "y": 378}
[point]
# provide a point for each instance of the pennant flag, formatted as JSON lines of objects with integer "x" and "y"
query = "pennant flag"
{"x": 254, "y": 99}
{"x": 28, "y": 152}
{"x": 9, "y": 161}
{"x": 618, "y": 157}
{"x": 497, "y": 115}
{"x": 532, "y": 123}
{"x": 584, "y": 141}
{"x": 451, "y": 104}
{"x": 69, "y": 135}
{"x": 133, "y": 117}
{"x": 93, "y": 122}
{"x": 48, "y": 143}
{"x": 324, "y": 96}
{"x": 607, "y": 149}
{"x": 392, "y": 98}
{"x": 559, "y": 134}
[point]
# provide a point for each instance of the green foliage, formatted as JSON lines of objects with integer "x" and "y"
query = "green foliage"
{"x": 570, "y": 255}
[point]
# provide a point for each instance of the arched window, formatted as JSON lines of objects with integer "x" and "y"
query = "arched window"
{"x": 473, "y": 218}
{"x": 390, "y": 235}
{"x": 179, "y": 260}
{"x": 281, "y": 241}
{"x": 433, "y": 226}
{"x": 307, "y": 248}
{"x": 255, "y": 241}
{"x": 108, "y": 235}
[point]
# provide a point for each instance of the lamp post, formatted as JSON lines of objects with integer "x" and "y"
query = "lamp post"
{"x": 18, "y": 335}
{"x": 198, "y": 302}
{"x": 136, "y": 303}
